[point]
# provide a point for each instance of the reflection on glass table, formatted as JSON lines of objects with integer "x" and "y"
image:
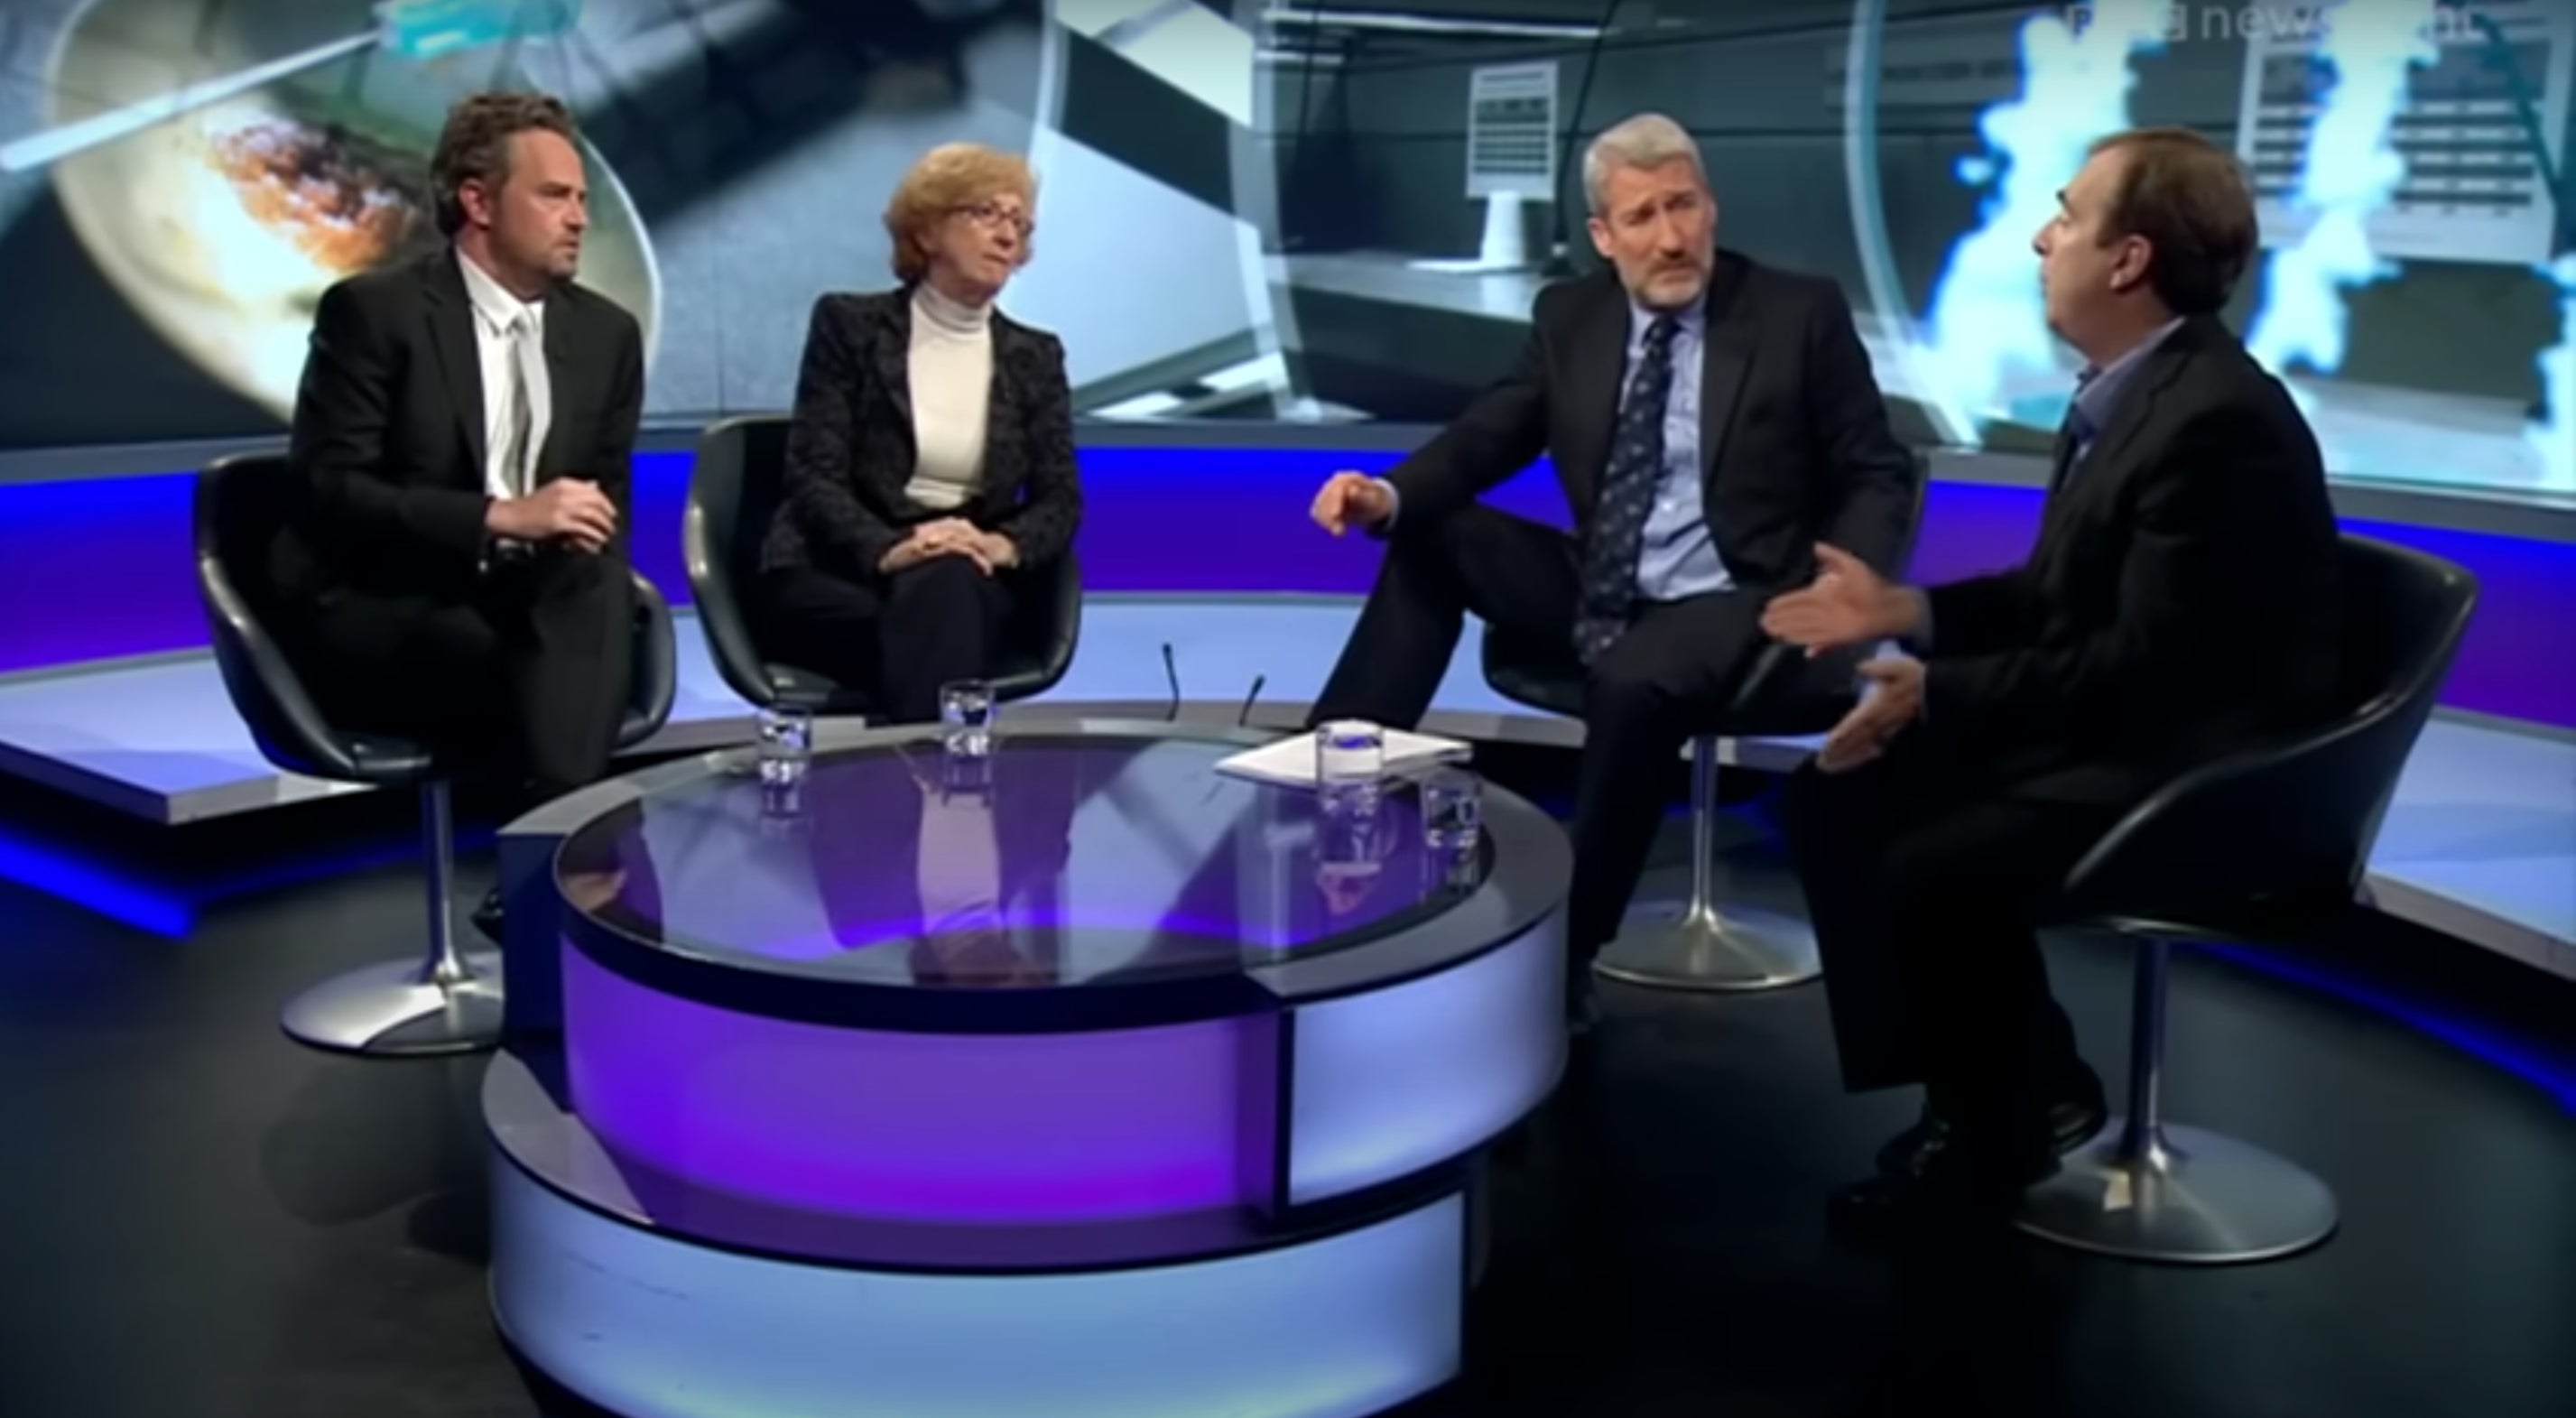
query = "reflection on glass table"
{"x": 1057, "y": 862}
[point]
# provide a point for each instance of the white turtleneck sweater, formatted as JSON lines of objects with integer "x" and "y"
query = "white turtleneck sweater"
{"x": 952, "y": 387}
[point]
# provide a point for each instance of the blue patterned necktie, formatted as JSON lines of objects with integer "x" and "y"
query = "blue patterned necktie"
{"x": 2074, "y": 436}
{"x": 1627, "y": 496}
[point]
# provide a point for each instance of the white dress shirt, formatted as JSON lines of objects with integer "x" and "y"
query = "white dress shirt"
{"x": 497, "y": 315}
{"x": 951, "y": 368}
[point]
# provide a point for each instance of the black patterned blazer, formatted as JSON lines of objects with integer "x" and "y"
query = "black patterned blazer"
{"x": 850, "y": 448}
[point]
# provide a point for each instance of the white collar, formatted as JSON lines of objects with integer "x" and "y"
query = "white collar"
{"x": 493, "y": 301}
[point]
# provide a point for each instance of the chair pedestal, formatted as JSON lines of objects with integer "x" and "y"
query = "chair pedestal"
{"x": 2182, "y": 1195}
{"x": 1691, "y": 946}
{"x": 445, "y": 1003}
{"x": 2148, "y": 1191}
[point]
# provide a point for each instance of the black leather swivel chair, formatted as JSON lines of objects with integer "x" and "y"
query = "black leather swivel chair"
{"x": 2269, "y": 844}
{"x": 448, "y": 1001}
{"x": 1692, "y": 945}
{"x": 733, "y": 491}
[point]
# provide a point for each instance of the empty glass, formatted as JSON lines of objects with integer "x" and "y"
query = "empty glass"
{"x": 966, "y": 717}
{"x": 1350, "y": 757}
{"x": 786, "y": 739}
{"x": 1453, "y": 809}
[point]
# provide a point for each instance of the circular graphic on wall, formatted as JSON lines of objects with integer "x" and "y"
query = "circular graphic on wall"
{"x": 292, "y": 151}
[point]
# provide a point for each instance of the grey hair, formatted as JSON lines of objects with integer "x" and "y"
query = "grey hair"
{"x": 1645, "y": 141}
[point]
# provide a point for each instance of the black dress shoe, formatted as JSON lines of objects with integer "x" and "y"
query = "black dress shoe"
{"x": 2073, "y": 1120}
{"x": 487, "y": 917}
{"x": 1959, "y": 1189}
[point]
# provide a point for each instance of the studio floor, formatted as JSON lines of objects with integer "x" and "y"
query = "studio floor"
{"x": 198, "y": 1219}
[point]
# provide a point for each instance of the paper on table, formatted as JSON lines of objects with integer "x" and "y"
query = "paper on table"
{"x": 1291, "y": 761}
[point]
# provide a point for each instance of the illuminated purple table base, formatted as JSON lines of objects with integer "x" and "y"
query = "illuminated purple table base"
{"x": 1053, "y": 1058}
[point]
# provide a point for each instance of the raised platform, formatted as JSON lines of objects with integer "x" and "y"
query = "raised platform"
{"x": 156, "y": 738}
{"x": 2480, "y": 844}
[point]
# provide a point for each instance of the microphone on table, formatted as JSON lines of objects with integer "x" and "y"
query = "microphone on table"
{"x": 1245, "y": 716}
{"x": 1172, "y": 675}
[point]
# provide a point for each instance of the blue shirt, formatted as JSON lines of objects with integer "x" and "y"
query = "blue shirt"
{"x": 2097, "y": 391}
{"x": 1676, "y": 554}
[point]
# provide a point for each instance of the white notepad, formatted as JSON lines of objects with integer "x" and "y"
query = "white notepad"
{"x": 1290, "y": 762}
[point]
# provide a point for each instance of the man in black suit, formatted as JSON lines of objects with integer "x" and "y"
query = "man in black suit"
{"x": 1710, "y": 419}
{"x": 456, "y": 557}
{"x": 2180, "y": 604}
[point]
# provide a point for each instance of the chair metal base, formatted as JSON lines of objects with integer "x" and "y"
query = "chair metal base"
{"x": 2183, "y": 1195}
{"x": 446, "y": 1002}
{"x": 1692, "y": 946}
{"x": 400, "y": 1010}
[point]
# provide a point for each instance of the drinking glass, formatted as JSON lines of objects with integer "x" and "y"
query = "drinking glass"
{"x": 1350, "y": 757}
{"x": 1453, "y": 809}
{"x": 1350, "y": 846}
{"x": 965, "y": 775}
{"x": 782, "y": 807}
{"x": 786, "y": 743}
{"x": 966, "y": 716}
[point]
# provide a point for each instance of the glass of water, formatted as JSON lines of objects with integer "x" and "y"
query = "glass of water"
{"x": 1350, "y": 848}
{"x": 1453, "y": 810}
{"x": 966, "y": 717}
{"x": 965, "y": 776}
{"x": 782, "y": 807}
{"x": 786, "y": 743}
{"x": 1350, "y": 758}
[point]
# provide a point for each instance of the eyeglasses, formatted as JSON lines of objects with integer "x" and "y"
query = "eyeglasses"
{"x": 996, "y": 214}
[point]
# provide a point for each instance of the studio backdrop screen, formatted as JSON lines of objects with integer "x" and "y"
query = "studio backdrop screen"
{"x": 1319, "y": 212}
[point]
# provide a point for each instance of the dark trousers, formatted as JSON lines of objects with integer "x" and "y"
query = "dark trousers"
{"x": 1926, "y": 886}
{"x": 1674, "y": 669}
{"x": 900, "y": 637}
{"x": 530, "y": 674}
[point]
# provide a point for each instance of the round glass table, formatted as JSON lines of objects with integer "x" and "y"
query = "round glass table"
{"x": 900, "y": 886}
{"x": 1082, "y": 1027}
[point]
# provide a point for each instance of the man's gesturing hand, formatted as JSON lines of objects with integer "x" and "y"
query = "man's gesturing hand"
{"x": 1894, "y": 699}
{"x": 1847, "y": 604}
{"x": 1351, "y": 500}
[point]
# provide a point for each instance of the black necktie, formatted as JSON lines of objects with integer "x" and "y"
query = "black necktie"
{"x": 2074, "y": 439}
{"x": 1627, "y": 496}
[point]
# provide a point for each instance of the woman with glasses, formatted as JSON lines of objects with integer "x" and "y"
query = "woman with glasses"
{"x": 930, "y": 467}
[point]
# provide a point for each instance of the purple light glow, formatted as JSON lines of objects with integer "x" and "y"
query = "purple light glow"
{"x": 108, "y": 558}
{"x": 996, "y": 1130}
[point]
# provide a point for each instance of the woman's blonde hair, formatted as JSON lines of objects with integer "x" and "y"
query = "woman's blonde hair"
{"x": 949, "y": 179}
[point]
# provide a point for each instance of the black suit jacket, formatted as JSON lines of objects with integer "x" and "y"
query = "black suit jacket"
{"x": 2181, "y": 599}
{"x": 388, "y": 443}
{"x": 1793, "y": 433}
{"x": 850, "y": 447}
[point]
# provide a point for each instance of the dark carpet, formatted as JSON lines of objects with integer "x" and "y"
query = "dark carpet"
{"x": 201, "y": 1220}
